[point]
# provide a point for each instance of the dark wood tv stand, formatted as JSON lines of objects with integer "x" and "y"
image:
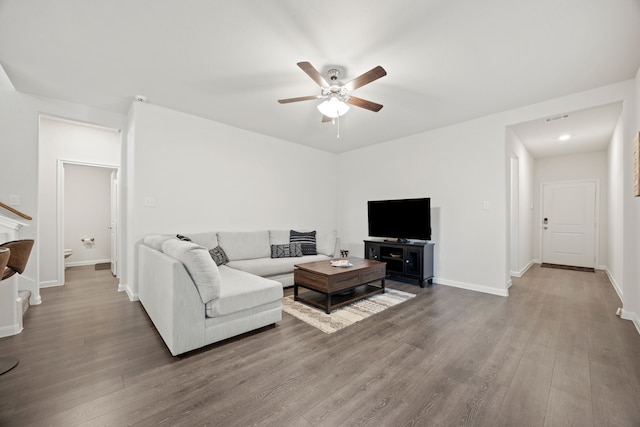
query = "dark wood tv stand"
{"x": 408, "y": 260}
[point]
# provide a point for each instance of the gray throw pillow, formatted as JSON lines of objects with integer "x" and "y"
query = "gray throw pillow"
{"x": 219, "y": 255}
{"x": 286, "y": 251}
{"x": 307, "y": 239}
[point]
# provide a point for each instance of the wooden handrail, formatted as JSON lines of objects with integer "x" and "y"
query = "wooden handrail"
{"x": 20, "y": 214}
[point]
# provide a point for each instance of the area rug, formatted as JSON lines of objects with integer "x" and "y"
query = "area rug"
{"x": 568, "y": 267}
{"x": 345, "y": 315}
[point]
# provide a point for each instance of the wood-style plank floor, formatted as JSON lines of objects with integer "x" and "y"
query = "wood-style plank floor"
{"x": 551, "y": 354}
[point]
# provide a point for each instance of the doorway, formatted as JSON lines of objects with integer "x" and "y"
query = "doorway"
{"x": 569, "y": 223}
{"x": 88, "y": 215}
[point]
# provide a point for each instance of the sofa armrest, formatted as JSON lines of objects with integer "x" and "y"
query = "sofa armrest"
{"x": 171, "y": 300}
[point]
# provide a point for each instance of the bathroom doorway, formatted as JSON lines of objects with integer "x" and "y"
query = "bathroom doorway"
{"x": 88, "y": 209}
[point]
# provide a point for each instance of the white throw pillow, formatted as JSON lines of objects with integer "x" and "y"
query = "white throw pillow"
{"x": 198, "y": 262}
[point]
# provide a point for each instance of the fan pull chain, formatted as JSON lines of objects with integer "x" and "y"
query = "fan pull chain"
{"x": 338, "y": 134}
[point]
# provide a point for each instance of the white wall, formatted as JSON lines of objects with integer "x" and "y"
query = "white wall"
{"x": 87, "y": 214}
{"x": 206, "y": 176}
{"x": 62, "y": 140}
{"x": 459, "y": 167}
{"x": 634, "y": 298}
{"x": 570, "y": 168}
{"x": 525, "y": 221}
{"x": 631, "y": 283}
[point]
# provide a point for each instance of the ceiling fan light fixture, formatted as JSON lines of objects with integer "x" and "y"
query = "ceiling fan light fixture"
{"x": 333, "y": 107}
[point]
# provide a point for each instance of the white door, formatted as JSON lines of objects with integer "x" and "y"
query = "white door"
{"x": 569, "y": 223}
{"x": 113, "y": 226}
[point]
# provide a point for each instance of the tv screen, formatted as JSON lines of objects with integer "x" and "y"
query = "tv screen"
{"x": 400, "y": 219}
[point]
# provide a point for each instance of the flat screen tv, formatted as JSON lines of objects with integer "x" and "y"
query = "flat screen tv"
{"x": 401, "y": 219}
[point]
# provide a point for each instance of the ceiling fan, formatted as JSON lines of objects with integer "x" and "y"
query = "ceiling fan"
{"x": 337, "y": 96}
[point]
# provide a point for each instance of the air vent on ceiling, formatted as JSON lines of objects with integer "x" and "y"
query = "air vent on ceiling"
{"x": 551, "y": 119}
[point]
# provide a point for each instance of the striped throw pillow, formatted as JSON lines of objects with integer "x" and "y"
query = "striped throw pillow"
{"x": 307, "y": 239}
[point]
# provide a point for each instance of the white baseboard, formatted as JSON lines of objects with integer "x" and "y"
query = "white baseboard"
{"x": 83, "y": 263}
{"x": 132, "y": 295}
{"x": 50, "y": 284}
{"x": 7, "y": 331}
{"x": 472, "y": 287}
{"x": 524, "y": 270}
{"x": 615, "y": 285}
{"x": 630, "y": 315}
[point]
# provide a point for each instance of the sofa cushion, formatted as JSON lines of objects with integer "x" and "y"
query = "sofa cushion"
{"x": 326, "y": 242}
{"x": 199, "y": 265}
{"x": 209, "y": 239}
{"x": 308, "y": 240}
{"x": 266, "y": 267}
{"x": 219, "y": 256}
{"x": 279, "y": 237}
{"x": 242, "y": 291}
{"x": 245, "y": 244}
{"x": 155, "y": 241}
{"x": 286, "y": 251}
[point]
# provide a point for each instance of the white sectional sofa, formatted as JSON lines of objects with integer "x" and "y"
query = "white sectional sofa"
{"x": 193, "y": 302}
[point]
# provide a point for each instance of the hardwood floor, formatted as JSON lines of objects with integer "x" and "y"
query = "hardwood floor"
{"x": 552, "y": 353}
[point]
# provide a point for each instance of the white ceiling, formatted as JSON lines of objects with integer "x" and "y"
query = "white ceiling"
{"x": 447, "y": 60}
{"x": 589, "y": 130}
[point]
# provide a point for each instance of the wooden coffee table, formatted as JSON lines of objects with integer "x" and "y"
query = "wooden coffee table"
{"x": 338, "y": 286}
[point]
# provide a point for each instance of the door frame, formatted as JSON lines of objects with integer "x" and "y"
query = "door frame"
{"x": 114, "y": 225}
{"x": 514, "y": 170}
{"x": 596, "y": 240}
{"x": 60, "y": 210}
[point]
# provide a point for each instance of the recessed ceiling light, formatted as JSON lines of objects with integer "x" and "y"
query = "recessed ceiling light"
{"x": 564, "y": 137}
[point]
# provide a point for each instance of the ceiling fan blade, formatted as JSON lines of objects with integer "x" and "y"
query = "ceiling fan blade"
{"x": 371, "y": 75}
{"x": 313, "y": 73}
{"x": 326, "y": 119}
{"x": 363, "y": 103}
{"x": 301, "y": 98}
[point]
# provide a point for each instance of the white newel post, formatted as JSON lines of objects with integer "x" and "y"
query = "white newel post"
{"x": 10, "y": 304}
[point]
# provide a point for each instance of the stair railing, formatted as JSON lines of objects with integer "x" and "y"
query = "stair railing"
{"x": 15, "y": 211}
